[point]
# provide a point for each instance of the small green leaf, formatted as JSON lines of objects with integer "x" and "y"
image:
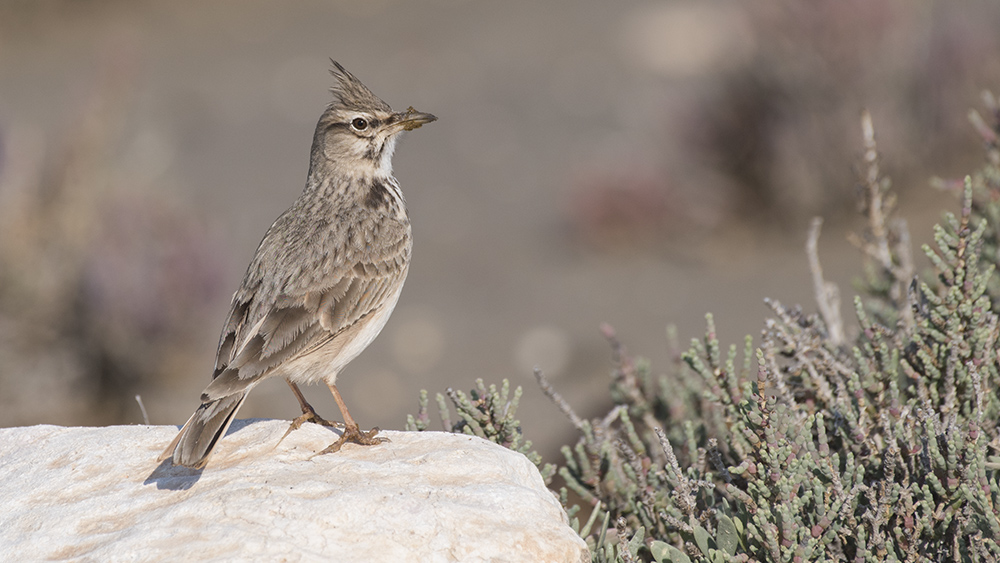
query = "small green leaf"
{"x": 727, "y": 535}
{"x": 665, "y": 553}
{"x": 701, "y": 539}
{"x": 590, "y": 521}
{"x": 604, "y": 529}
{"x": 636, "y": 542}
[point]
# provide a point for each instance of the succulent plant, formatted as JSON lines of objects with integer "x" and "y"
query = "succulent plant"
{"x": 809, "y": 444}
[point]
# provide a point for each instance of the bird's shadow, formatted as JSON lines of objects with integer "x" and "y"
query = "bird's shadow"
{"x": 180, "y": 478}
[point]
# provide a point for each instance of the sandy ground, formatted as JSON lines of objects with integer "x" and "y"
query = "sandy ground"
{"x": 531, "y": 96}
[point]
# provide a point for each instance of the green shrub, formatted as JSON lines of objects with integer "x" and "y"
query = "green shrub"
{"x": 808, "y": 445}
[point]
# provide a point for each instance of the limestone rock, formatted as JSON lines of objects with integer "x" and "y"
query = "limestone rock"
{"x": 98, "y": 494}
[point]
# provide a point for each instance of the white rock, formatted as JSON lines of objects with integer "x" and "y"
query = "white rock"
{"x": 98, "y": 494}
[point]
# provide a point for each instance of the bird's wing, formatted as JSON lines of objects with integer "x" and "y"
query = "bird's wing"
{"x": 326, "y": 285}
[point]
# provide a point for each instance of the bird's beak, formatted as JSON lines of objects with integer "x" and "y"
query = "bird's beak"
{"x": 411, "y": 119}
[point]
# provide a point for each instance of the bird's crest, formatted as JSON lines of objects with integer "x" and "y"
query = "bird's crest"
{"x": 349, "y": 92}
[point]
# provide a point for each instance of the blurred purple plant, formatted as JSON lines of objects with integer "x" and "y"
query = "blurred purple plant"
{"x": 763, "y": 139}
{"x": 103, "y": 286}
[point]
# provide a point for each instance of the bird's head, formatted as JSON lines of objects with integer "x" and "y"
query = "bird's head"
{"x": 357, "y": 133}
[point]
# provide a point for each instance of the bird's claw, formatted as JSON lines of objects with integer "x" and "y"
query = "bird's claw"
{"x": 354, "y": 435}
{"x": 309, "y": 416}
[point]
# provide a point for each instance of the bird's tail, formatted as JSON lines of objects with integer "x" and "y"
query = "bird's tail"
{"x": 195, "y": 442}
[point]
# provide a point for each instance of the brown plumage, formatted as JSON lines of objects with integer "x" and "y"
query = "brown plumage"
{"x": 324, "y": 279}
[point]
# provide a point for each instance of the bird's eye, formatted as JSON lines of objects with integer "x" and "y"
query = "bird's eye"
{"x": 359, "y": 124}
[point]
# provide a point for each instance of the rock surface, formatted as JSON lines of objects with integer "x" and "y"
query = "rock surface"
{"x": 98, "y": 494}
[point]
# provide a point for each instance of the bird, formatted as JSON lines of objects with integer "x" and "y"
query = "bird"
{"x": 324, "y": 279}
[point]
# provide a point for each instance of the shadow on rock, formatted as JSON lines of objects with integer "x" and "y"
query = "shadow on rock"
{"x": 180, "y": 478}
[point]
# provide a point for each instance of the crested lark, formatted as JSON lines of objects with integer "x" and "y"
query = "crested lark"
{"x": 324, "y": 279}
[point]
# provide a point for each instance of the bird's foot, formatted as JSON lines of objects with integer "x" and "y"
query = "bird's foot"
{"x": 354, "y": 435}
{"x": 308, "y": 415}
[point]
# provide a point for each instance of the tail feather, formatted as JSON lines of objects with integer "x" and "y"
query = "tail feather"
{"x": 196, "y": 440}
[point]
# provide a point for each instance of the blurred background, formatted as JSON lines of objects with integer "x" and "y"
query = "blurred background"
{"x": 635, "y": 162}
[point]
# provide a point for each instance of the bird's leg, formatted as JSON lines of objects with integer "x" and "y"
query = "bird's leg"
{"x": 352, "y": 433}
{"x": 309, "y": 414}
